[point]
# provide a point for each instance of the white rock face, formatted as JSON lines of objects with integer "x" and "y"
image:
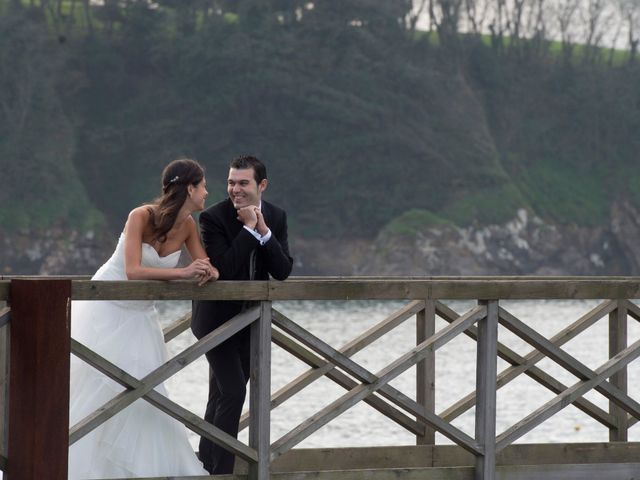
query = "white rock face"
{"x": 524, "y": 245}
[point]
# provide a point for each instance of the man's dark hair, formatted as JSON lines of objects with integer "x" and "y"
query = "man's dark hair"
{"x": 248, "y": 161}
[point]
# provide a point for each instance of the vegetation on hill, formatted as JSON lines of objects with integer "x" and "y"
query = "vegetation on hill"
{"x": 363, "y": 123}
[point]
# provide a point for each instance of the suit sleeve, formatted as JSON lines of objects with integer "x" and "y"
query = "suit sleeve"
{"x": 279, "y": 262}
{"x": 228, "y": 258}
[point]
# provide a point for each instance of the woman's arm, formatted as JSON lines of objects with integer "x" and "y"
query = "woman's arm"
{"x": 195, "y": 248}
{"x": 133, "y": 231}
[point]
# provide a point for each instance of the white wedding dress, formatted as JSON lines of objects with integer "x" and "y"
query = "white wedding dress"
{"x": 140, "y": 441}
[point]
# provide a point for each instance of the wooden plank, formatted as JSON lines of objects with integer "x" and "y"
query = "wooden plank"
{"x": 184, "y": 358}
{"x": 633, "y": 310}
{"x": 176, "y": 328}
{"x": 568, "y": 362}
{"x": 469, "y": 288}
{"x": 617, "y": 343}
{"x": 521, "y": 472}
{"x": 486, "y": 364}
{"x": 426, "y": 369}
{"x": 610, "y": 471}
{"x": 324, "y": 368}
{"x": 387, "y": 374}
{"x": 526, "y": 364}
{"x": 5, "y": 315}
{"x": 173, "y": 290}
{"x": 346, "y": 382}
{"x": 39, "y": 380}
{"x": 4, "y": 388}
{"x": 190, "y": 420}
{"x": 416, "y": 456}
{"x": 259, "y": 393}
{"x": 565, "y": 398}
{"x": 462, "y": 473}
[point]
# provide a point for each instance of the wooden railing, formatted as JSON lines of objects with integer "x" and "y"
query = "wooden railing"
{"x": 40, "y": 347}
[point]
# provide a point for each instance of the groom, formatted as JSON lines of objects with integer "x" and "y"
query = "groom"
{"x": 246, "y": 239}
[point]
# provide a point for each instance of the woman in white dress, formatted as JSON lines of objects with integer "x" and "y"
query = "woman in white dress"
{"x": 140, "y": 441}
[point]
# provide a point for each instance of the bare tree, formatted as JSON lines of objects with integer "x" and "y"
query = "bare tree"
{"x": 597, "y": 18}
{"x": 565, "y": 12}
{"x": 417, "y": 11}
{"x": 630, "y": 17}
{"x": 476, "y": 14}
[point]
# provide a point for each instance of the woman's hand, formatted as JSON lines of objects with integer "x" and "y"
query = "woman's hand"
{"x": 202, "y": 270}
{"x": 211, "y": 275}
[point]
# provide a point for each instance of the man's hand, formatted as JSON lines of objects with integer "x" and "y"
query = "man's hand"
{"x": 261, "y": 226}
{"x": 248, "y": 216}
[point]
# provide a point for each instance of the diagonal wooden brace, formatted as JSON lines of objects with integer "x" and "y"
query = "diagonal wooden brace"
{"x": 190, "y": 420}
{"x": 159, "y": 375}
{"x": 375, "y": 382}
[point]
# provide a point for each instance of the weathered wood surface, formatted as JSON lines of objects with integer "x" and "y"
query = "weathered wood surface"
{"x": 38, "y": 429}
{"x": 163, "y": 372}
{"x": 615, "y": 471}
{"x": 177, "y": 327}
{"x": 5, "y": 314}
{"x": 565, "y": 398}
{"x": 327, "y": 368}
{"x": 191, "y": 421}
{"x": 259, "y": 393}
{"x": 444, "y": 288}
{"x": 378, "y": 381}
{"x": 344, "y": 381}
{"x": 352, "y": 288}
{"x": 617, "y": 343}
{"x": 486, "y": 392}
{"x": 332, "y": 288}
{"x": 4, "y": 384}
{"x": 526, "y": 364}
{"x": 416, "y": 456}
{"x": 570, "y": 363}
{"x": 426, "y": 369}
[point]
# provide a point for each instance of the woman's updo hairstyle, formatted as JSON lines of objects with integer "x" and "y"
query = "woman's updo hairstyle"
{"x": 176, "y": 178}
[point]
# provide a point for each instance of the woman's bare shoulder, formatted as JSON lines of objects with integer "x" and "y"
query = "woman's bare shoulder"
{"x": 143, "y": 212}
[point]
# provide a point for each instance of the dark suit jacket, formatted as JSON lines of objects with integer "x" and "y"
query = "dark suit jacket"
{"x": 229, "y": 247}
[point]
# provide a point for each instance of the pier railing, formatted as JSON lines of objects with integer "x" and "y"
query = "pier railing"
{"x": 39, "y": 347}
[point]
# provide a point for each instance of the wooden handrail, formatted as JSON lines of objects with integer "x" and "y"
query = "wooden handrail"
{"x": 357, "y": 288}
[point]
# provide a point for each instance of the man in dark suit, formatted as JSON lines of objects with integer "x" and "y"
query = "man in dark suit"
{"x": 246, "y": 239}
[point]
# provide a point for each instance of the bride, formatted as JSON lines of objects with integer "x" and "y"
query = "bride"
{"x": 139, "y": 441}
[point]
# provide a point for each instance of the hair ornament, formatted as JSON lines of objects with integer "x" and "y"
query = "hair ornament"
{"x": 174, "y": 180}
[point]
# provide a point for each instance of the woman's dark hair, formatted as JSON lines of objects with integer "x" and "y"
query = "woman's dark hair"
{"x": 176, "y": 178}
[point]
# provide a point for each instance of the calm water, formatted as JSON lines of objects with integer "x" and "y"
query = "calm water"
{"x": 339, "y": 322}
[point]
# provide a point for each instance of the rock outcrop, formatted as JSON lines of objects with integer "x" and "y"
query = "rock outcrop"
{"x": 526, "y": 245}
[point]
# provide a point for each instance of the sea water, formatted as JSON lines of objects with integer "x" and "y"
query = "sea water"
{"x": 337, "y": 322}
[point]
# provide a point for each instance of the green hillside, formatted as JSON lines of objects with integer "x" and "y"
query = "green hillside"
{"x": 362, "y": 125}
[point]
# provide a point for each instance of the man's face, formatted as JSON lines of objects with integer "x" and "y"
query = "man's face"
{"x": 243, "y": 189}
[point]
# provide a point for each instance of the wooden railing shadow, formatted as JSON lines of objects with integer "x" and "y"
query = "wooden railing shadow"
{"x": 42, "y": 328}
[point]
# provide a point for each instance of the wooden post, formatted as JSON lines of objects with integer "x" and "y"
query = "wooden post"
{"x": 486, "y": 371}
{"x": 260, "y": 394}
{"x": 4, "y": 384}
{"x": 426, "y": 369}
{"x": 617, "y": 343}
{"x": 39, "y": 380}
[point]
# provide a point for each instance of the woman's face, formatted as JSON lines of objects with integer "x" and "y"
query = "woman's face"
{"x": 198, "y": 194}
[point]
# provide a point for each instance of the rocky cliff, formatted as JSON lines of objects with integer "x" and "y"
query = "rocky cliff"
{"x": 526, "y": 245}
